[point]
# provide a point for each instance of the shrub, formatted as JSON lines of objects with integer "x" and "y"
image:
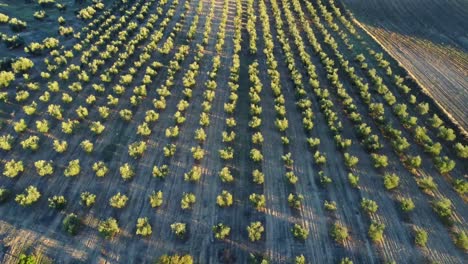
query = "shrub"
{"x": 462, "y": 150}
{"x": 443, "y": 207}
{"x": 60, "y": 146}
{"x": 258, "y": 200}
{"x": 57, "y": 202}
{"x": 179, "y": 229}
{"x": 407, "y": 204}
{"x": 100, "y": 169}
{"x": 31, "y": 196}
{"x": 339, "y": 232}
{"x": 330, "y": 205}
{"x": 87, "y": 199}
{"x": 461, "y": 240}
{"x": 118, "y": 201}
{"x": 258, "y": 177}
{"x": 444, "y": 164}
{"x": 22, "y": 65}
{"x": 137, "y": 149}
{"x": 461, "y": 186}
{"x": 376, "y": 231}
{"x": 420, "y": 237}
{"x": 221, "y": 231}
{"x": 87, "y": 146}
{"x": 353, "y": 180}
{"x": 350, "y": 161}
{"x": 188, "y": 199}
{"x": 126, "y": 171}
{"x": 194, "y": 174}
{"x": 292, "y": 178}
{"x": 175, "y": 259}
{"x": 13, "y": 168}
{"x": 6, "y": 78}
{"x": 73, "y": 168}
{"x": 295, "y": 200}
{"x": 224, "y": 199}
{"x": 143, "y": 227}
{"x": 255, "y": 231}
{"x": 300, "y": 232}
{"x": 4, "y": 194}
{"x": 380, "y": 161}
{"x": 6, "y": 142}
{"x": 427, "y": 184}
{"x": 109, "y": 228}
{"x": 71, "y": 224}
{"x": 225, "y": 175}
{"x": 346, "y": 261}
{"x": 300, "y": 260}
{"x": 20, "y": 126}
{"x": 197, "y": 152}
{"x": 256, "y": 155}
{"x": 156, "y": 199}
{"x": 391, "y": 181}
{"x": 369, "y": 206}
{"x": 44, "y": 168}
{"x": 160, "y": 172}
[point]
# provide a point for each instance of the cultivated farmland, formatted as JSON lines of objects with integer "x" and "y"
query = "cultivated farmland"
{"x": 219, "y": 131}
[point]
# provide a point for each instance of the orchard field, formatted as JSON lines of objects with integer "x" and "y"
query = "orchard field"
{"x": 219, "y": 131}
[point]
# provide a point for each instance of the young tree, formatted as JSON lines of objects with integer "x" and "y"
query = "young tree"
{"x": 188, "y": 200}
{"x": 353, "y": 180}
{"x": 13, "y": 168}
{"x": 380, "y": 161}
{"x": 118, "y": 201}
{"x": 255, "y": 231}
{"x": 73, "y": 168}
{"x": 376, "y": 230}
{"x": 87, "y": 146}
{"x": 420, "y": 237}
{"x": 4, "y": 194}
{"x": 407, "y": 204}
{"x": 156, "y": 199}
{"x": 300, "y": 232}
{"x": 194, "y": 174}
{"x": 443, "y": 207}
{"x": 339, "y": 232}
{"x": 175, "y": 259}
{"x": 295, "y": 200}
{"x": 136, "y": 149}
{"x": 225, "y": 175}
{"x": 100, "y": 169}
{"x": 461, "y": 240}
{"x": 143, "y": 227}
{"x": 87, "y": 199}
{"x": 179, "y": 229}
{"x": 256, "y": 155}
{"x": 57, "y": 202}
{"x": 160, "y": 172}
{"x": 109, "y": 228}
{"x": 258, "y": 177}
{"x": 31, "y": 196}
{"x": 221, "y": 231}
{"x": 258, "y": 201}
{"x": 126, "y": 171}
{"x": 71, "y": 224}
{"x": 224, "y": 199}
{"x": 391, "y": 181}
{"x": 369, "y": 205}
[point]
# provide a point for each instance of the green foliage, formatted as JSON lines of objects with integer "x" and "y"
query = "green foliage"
{"x": 462, "y": 150}
{"x": 256, "y": 155}
{"x": 57, "y": 202}
{"x": 87, "y": 146}
{"x": 4, "y": 194}
{"x": 118, "y": 201}
{"x": 427, "y": 184}
{"x": 461, "y": 240}
{"x": 109, "y": 228}
{"x": 22, "y": 65}
{"x": 100, "y": 169}
{"x": 258, "y": 177}
{"x": 137, "y": 149}
{"x": 369, "y": 206}
{"x": 194, "y": 174}
{"x": 221, "y": 231}
{"x": 258, "y": 200}
{"x": 300, "y": 232}
{"x": 255, "y": 231}
{"x": 292, "y": 178}
{"x": 6, "y": 78}
{"x": 156, "y": 199}
{"x": 443, "y": 207}
{"x": 126, "y": 171}
{"x": 13, "y": 168}
{"x": 339, "y": 232}
{"x": 6, "y": 142}
{"x": 391, "y": 181}
{"x": 197, "y": 152}
{"x": 420, "y": 237}
{"x": 27, "y": 259}
{"x": 179, "y": 229}
{"x": 330, "y": 205}
{"x": 224, "y": 199}
{"x": 407, "y": 204}
{"x": 380, "y": 161}
{"x": 161, "y": 171}
{"x": 20, "y": 126}
{"x": 32, "y": 143}
{"x": 87, "y": 199}
{"x": 175, "y": 259}
{"x": 376, "y": 230}
{"x": 461, "y": 186}
{"x": 60, "y": 146}
{"x": 188, "y": 199}
{"x": 350, "y": 161}
{"x": 73, "y": 168}
{"x": 444, "y": 164}
{"x": 295, "y": 200}
{"x": 71, "y": 224}
{"x": 353, "y": 180}
{"x": 346, "y": 261}
{"x": 143, "y": 227}
{"x": 301, "y": 259}
{"x": 31, "y": 196}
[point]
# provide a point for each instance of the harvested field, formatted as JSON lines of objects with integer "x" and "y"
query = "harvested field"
{"x": 221, "y": 131}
